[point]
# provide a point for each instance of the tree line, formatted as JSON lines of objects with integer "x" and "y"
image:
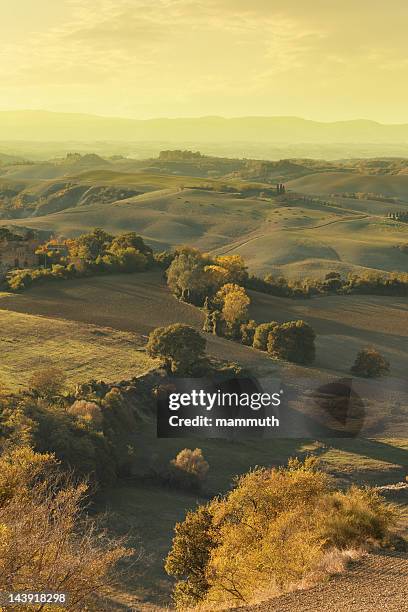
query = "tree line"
{"x": 91, "y": 254}
{"x": 191, "y": 274}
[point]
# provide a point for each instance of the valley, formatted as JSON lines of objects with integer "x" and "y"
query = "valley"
{"x": 96, "y": 327}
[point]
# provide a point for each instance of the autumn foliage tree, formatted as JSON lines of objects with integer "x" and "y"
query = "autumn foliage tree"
{"x": 47, "y": 542}
{"x": 272, "y": 529}
{"x": 234, "y": 303}
{"x": 192, "y": 276}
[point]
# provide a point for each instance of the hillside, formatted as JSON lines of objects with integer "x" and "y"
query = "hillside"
{"x": 378, "y": 582}
{"x": 344, "y": 324}
{"x": 82, "y": 351}
{"x": 95, "y": 328}
{"x": 298, "y": 236}
{"x": 326, "y": 183}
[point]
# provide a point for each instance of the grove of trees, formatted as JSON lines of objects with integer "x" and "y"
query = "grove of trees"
{"x": 96, "y": 252}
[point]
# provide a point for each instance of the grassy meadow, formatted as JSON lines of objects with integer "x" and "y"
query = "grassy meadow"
{"x": 82, "y": 351}
{"x": 315, "y": 230}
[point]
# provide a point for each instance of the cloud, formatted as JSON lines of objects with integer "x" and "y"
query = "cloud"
{"x": 227, "y": 54}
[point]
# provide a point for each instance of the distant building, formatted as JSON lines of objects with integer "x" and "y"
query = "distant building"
{"x": 58, "y": 247}
{"x": 17, "y": 252}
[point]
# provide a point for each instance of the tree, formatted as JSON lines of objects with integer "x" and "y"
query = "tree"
{"x": 370, "y": 363}
{"x": 293, "y": 341}
{"x": 131, "y": 240}
{"x": 248, "y": 330}
{"x": 90, "y": 246}
{"x": 225, "y": 290}
{"x": 234, "y": 303}
{"x": 47, "y": 542}
{"x": 186, "y": 275}
{"x": 126, "y": 259}
{"x": 332, "y": 282}
{"x": 261, "y": 335}
{"x": 273, "y": 528}
{"x": 187, "y": 561}
{"x": 235, "y": 309}
{"x": 235, "y": 267}
{"x": 179, "y": 345}
{"x": 47, "y": 383}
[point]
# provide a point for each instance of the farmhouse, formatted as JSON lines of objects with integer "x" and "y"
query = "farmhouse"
{"x": 17, "y": 251}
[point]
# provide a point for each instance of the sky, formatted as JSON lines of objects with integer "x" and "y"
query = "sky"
{"x": 319, "y": 59}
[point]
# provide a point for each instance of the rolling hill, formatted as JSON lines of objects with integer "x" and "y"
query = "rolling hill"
{"x": 140, "y": 302}
{"x": 326, "y": 183}
{"x": 94, "y": 327}
{"x": 82, "y": 351}
{"x": 296, "y": 238}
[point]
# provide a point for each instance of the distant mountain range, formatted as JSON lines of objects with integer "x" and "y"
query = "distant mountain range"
{"x": 52, "y": 126}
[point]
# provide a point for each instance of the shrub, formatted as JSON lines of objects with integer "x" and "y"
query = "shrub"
{"x": 192, "y": 462}
{"x": 248, "y": 332}
{"x": 179, "y": 345}
{"x": 356, "y": 517}
{"x": 293, "y": 341}
{"x": 370, "y": 363}
{"x": 47, "y": 383}
{"x": 89, "y": 411}
{"x": 175, "y": 478}
{"x": 262, "y": 333}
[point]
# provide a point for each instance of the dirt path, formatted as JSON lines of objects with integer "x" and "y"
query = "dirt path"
{"x": 379, "y": 583}
{"x": 332, "y": 222}
{"x": 240, "y": 243}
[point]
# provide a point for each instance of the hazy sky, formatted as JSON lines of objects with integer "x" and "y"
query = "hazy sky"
{"x": 320, "y": 59}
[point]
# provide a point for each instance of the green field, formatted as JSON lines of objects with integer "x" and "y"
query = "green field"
{"x": 29, "y": 343}
{"x": 297, "y": 237}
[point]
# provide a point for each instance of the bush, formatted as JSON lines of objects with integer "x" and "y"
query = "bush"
{"x": 293, "y": 341}
{"x": 89, "y": 411}
{"x": 46, "y": 539}
{"x": 173, "y": 478}
{"x": 47, "y": 383}
{"x": 261, "y": 335}
{"x": 370, "y": 363}
{"x": 356, "y": 518}
{"x": 192, "y": 462}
